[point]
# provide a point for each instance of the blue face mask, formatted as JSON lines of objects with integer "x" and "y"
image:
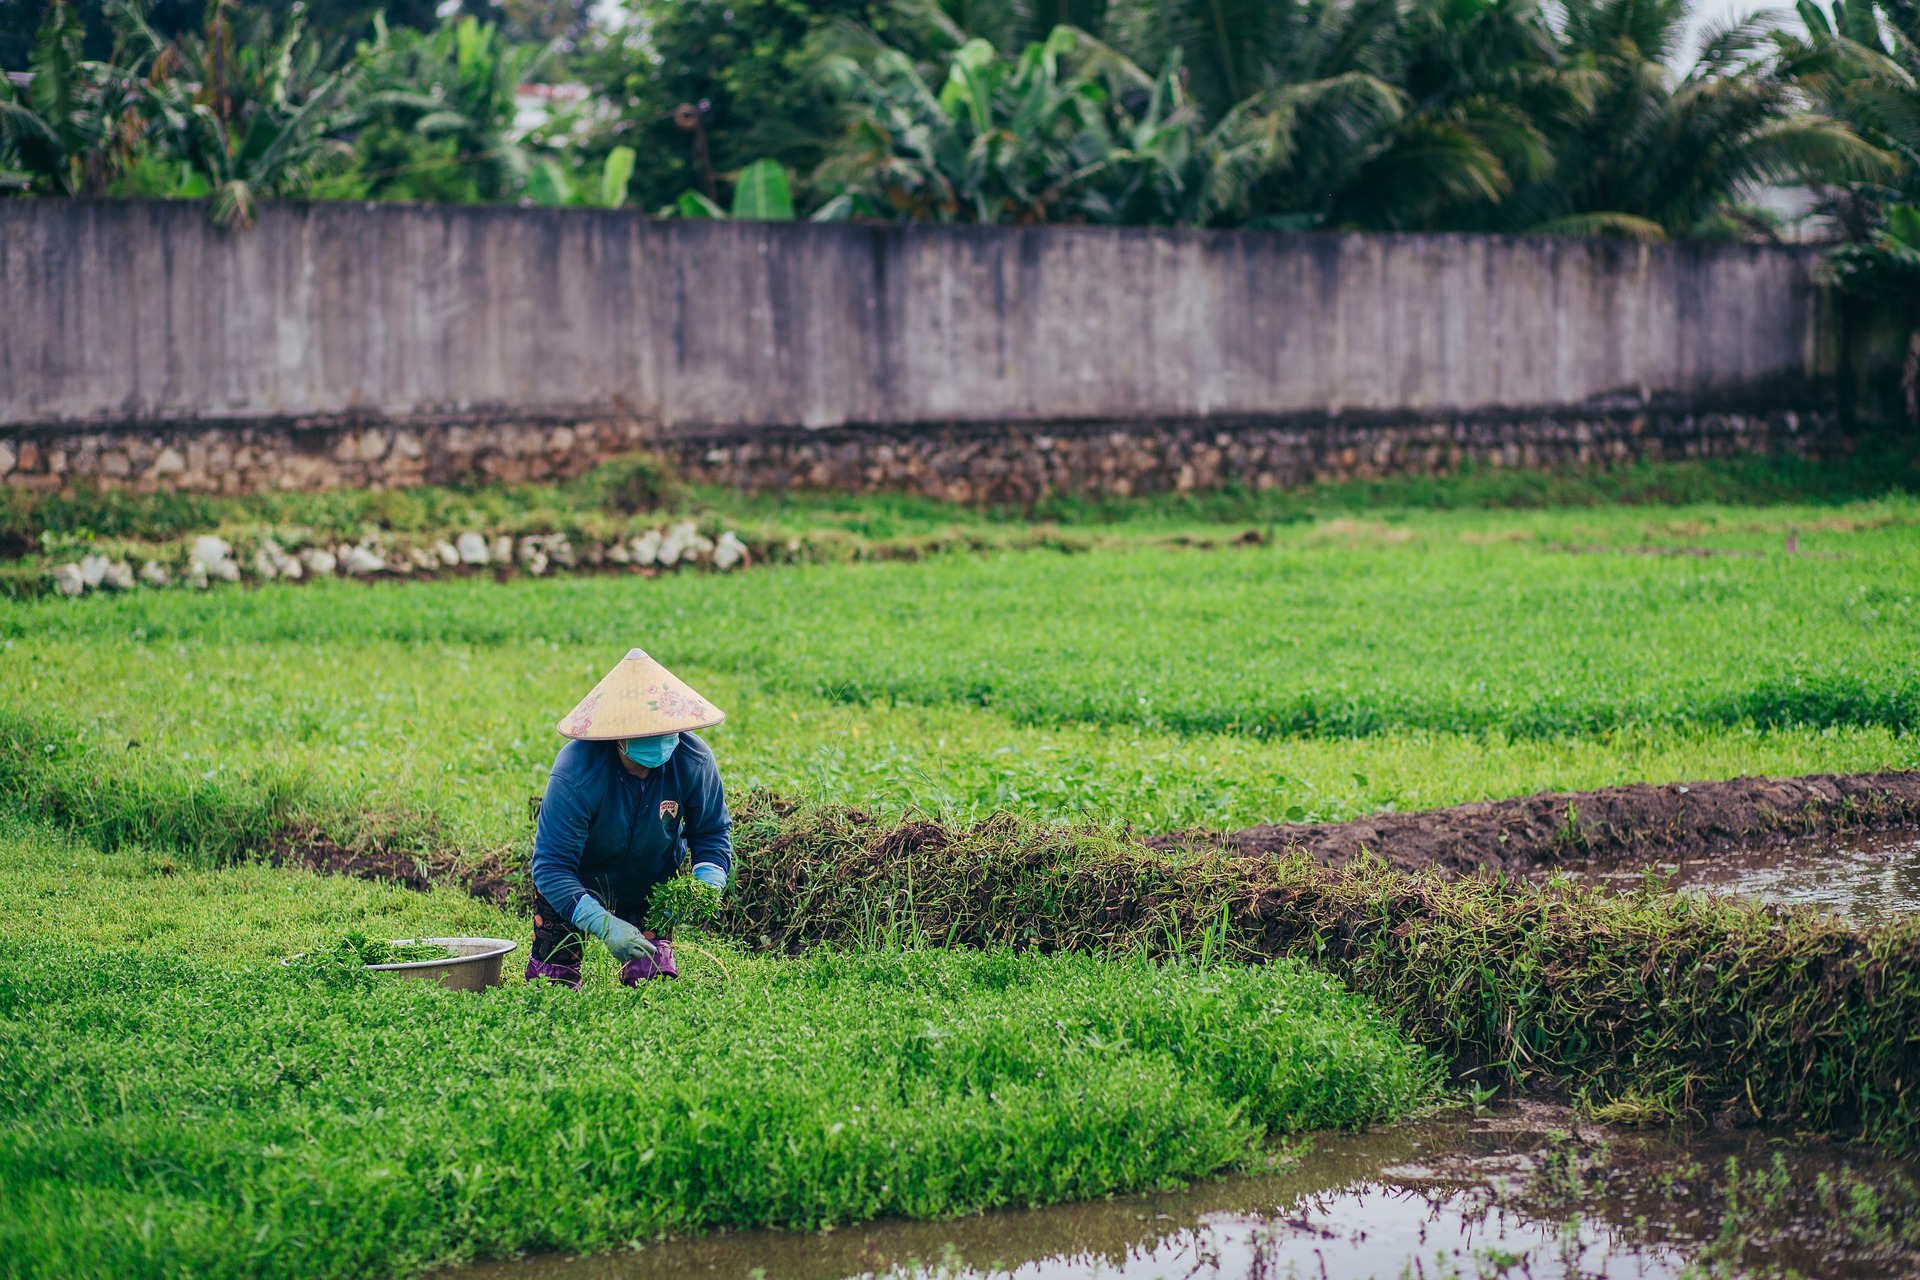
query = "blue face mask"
{"x": 651, "y": 753}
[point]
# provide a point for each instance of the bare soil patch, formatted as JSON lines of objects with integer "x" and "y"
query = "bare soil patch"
{"x": 490, "y": 879}
{"x": 1522, "y": 834}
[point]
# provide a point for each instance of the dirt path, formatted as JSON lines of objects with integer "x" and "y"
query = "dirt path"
{"x": 1519, "y": 835}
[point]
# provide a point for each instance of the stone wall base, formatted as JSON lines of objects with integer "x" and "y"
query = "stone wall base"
{"x": 1021, "y": 464}
{"x": 1016, "y": 463}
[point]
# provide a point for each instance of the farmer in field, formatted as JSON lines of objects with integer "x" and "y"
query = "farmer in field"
{"x": 632, "y": 796}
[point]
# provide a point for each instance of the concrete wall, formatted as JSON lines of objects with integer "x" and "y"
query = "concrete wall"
{"x": 141, "y": 327}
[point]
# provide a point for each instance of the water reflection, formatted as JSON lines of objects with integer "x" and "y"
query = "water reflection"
{"x": 1866, "y": 878}
{"x": 1527, "y": 1192}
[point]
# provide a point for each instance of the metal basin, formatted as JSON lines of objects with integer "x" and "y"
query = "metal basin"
{"x": 474, "y": 965}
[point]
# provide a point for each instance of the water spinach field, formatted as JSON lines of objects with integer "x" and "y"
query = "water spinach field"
{"x": 989, "y": 944}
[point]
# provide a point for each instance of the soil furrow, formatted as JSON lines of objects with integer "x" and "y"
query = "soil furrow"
{"x": 1522, "y": 834}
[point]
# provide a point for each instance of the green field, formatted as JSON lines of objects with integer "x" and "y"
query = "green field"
{"x": 1142, "y": 668}
{"x": 1343, "y": 667}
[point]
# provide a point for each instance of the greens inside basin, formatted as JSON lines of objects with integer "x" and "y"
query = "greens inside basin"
{"x": 358, "y": 949}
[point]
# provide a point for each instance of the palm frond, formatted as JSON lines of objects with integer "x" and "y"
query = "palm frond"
{"x": 1600, "y": 223}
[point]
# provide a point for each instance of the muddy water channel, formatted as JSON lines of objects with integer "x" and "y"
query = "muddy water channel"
{"x": 1864, "y": 878}
{"x": 1525, "y": 1190}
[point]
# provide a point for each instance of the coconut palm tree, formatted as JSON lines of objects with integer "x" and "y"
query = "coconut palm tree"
{"x": 1656, "y": 155}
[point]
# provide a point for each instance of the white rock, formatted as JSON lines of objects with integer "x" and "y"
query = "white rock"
{"x": 290, "y": 566}
{"x": 154, "y": 574}
{"x": 501, "y": 550}
{"x": 645, "y": 549}
{"x": 536, "y": 564}
{"x": 271, "y": 561}
{"x": 472, "y": 549}
{"x": 596, "y": 554}
{"x": 210, "y": 551}
{"x": 729, "y": 551}
{"x": 558, "y": 549}
{"x": 226, "y": 571}
{"x": 699, "y": 546}
{"x": 319, "y": 561}
{"x": 360, "y": 560}
{"x": 93, "y": 569}
{"x": 119, "y": 577}
{"x": 423, "y": 558}
{"x": 678, "y": 541}
{"x": 447, "y": 553}
{"x": 196, "y": 575}
{"x": 618, "y": 554}
{"x": 68, "y": 580}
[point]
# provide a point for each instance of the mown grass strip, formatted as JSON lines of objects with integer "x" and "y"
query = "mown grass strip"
{"x": 1672, "y": 1004}
{"x": 167, "y": 1118}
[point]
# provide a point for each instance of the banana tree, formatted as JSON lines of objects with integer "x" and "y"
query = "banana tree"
{"x": 458, "y": 83}
{"x": 74, "y": 124}
{"x": 252, "y": 108}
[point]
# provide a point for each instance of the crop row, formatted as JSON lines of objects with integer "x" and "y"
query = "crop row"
{"x": 1287, "y": 640}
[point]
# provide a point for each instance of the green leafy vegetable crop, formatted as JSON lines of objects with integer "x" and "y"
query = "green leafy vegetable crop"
{"x": 357, "y": 948}
{"x": 272, "y": 1126}
{"x": 681, "y": 901}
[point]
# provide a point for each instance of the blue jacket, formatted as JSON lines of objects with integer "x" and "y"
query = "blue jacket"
{"x": 605, "y": 832}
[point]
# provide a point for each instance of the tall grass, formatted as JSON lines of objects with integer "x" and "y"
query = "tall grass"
{"x": 166, "y": 1118}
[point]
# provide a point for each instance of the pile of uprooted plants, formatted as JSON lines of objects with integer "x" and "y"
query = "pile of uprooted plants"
{"x": 1654, "y": 1005}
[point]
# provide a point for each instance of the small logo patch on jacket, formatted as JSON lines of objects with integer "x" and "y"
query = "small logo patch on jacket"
{"x": 669, "y": 810}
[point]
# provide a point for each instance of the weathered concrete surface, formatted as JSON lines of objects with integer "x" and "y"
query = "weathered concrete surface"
{"x": 335, "y": 329}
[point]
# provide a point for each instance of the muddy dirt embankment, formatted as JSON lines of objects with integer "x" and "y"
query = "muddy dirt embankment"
{"x": 1523, "y": 834}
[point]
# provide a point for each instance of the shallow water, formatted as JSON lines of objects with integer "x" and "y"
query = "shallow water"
{"x": 1523, "y": 1191}
{"x": 1870, "y": 877}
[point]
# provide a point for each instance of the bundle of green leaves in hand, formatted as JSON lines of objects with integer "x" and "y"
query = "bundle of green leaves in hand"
{"x": 680, "y": 901}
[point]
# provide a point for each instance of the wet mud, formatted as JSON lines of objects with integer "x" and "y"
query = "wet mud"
{"x": 1525, "y": 1190}
{"x": 1612, "y": 823}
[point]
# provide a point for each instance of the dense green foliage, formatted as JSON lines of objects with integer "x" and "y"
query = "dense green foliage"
{"x": 1591, "y": 118}
{"x": 169, "y": 1118}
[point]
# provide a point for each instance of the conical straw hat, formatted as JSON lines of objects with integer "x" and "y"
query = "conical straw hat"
{"x": 638, "y": 699}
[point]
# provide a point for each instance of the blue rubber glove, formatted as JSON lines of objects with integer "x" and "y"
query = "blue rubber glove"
{"x": 711, "y": 874}
{"x": 625, "y": 941}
